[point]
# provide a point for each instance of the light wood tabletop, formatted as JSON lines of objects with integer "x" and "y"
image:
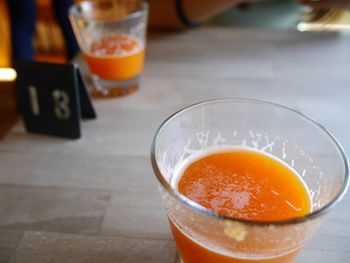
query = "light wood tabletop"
{"x": 96, "y": 200}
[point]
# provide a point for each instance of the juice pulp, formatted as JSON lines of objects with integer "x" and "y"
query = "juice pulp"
{"x": 116, "y": 57}
{"x": 243, "y": 184}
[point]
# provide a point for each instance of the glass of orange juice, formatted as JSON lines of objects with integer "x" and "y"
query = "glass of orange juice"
{"x": 246, "y": 180}
{"x": 112, "y": 35}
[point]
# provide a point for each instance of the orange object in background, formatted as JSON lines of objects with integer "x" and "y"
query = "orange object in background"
{"x": 242, "y": 184}
{"x": 117, "y": 57}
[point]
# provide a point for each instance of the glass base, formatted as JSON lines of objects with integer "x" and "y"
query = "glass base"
{"x": 113, "y": 88}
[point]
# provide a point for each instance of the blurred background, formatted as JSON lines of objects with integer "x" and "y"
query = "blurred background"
{"x": 49, "y": 44}
{"x": 48, "y": 39}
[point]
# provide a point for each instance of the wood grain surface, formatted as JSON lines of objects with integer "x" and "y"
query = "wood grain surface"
{"x": 95, "y": 199}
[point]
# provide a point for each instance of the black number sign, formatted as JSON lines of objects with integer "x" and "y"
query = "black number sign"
{"x": 52, "y": 97}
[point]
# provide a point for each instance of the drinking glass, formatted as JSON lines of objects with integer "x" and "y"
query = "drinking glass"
{"x": 112, "y": 37}
{"x": 203, "y": 236}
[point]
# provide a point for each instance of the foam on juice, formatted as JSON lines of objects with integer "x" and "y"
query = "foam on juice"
{"x": 183, "y": 165}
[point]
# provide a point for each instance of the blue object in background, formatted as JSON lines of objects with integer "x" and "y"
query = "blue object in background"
{"x": 23, "y": 17}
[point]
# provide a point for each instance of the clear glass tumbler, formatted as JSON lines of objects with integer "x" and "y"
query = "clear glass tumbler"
{"x": 203, "y": 236}
{"x": 112, "y": 38}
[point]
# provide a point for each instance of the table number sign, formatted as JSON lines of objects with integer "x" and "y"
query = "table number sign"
{"x": 52, "y": 98}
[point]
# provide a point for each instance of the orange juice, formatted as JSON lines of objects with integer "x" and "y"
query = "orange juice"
{"x": 116, "y": 57}
{"x": 243, "y": 184}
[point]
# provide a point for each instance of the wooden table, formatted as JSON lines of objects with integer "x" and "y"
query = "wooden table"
{"x": 96, "y": 200}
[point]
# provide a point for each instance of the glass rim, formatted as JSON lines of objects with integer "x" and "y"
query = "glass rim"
{"x": 73, "y": 10}
{"x": 199, "y": 208}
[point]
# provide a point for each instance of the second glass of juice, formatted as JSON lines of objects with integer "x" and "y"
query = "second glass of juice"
{"x": 111, "y": 35}
{"x": 245, "y": 180}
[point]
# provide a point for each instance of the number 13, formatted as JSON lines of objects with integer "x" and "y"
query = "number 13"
{"x": 60, "y": 99}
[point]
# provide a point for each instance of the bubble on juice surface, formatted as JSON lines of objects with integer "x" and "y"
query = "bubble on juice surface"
{"x": 240, "y": 199}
